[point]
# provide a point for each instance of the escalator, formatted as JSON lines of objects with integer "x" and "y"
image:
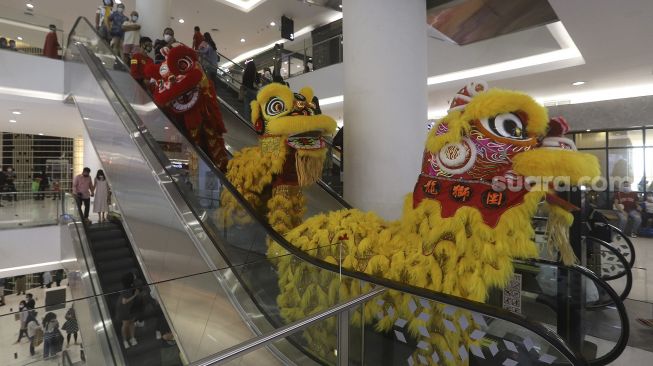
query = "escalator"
{"x": 174, "y": 237}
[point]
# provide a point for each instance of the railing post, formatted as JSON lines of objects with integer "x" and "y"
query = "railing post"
{"x": 343, "y": 338}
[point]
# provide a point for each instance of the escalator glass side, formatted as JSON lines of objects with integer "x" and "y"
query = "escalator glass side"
{"x": 548, "y": 291}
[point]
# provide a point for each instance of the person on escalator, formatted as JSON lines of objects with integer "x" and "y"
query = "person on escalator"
{"x": 167, "y": 41}
{"x": 250, "y": 87}
{"x": 83, "y": 189}
{"x": 102, "y": 22}
{"x": 117, "y": 19}
{"x": 124, "y": 312}
{"x": 132, "y": 38}
{"x": 198, "y": 38}
{"x": 209, "y": 57}
{"x": 139, "y": 61}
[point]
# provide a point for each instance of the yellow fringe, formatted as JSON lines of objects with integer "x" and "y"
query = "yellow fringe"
{"x": 558, "y": 230}
{"x": 309, "y": 166}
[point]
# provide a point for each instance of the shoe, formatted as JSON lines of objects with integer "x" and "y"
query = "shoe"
{"x": 133, "y": 342}
{"x": 126, "y": 344}
{"x": 158, "y": 335}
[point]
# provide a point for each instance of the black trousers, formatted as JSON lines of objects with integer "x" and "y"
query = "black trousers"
{"x": 87, "y": 205}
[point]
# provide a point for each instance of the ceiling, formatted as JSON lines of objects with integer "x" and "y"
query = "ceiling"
{"x": 231, "y": 24}
{"x": 49, "y": 117}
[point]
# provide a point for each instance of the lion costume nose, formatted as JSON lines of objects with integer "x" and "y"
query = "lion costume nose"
{"x": 558, "y": 127}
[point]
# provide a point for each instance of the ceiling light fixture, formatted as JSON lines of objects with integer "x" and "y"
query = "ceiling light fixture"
{"x": 118, "y": 2}
{"x": 12, "y": 121}
{"x": 19, "y": 38}
{"x": 577, "y": 83}
{"x": 242, "y": 40}
{"x": 29, "y": 6}
{"x": 17, "y": 112}
{"x": 340, "y": 6}
{"x": 181, "y": 21}
{"x": 272, "y": 24}
{"x": 588, "y": 130}
{"x": 41, "y": 134}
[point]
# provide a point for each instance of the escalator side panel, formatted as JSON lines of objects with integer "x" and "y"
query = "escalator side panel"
{"x": 165, "y": 239}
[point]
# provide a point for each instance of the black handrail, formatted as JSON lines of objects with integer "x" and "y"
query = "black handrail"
{"x": 631, "y": 261}
{"x": 483, "y": 308}
{"x": 626, "y": 271}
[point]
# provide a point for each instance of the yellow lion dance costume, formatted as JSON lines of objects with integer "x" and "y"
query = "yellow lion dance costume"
{"x": 467, "y": 218}
{"x": 290, "y": 155}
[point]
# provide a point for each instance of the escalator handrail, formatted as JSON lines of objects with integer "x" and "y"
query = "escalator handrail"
{"x": 536, "y": 328}
{"x": 631, "y": 261}
{"x": 89, "y": 262}
{"x": 627, "y": 271}
{"x": 618, "y": 304}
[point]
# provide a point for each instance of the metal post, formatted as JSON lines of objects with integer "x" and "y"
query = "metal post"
{"x": 343, "y": 338}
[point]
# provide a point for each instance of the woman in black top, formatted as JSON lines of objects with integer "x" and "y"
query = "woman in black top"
{"x": 250, "y": 87}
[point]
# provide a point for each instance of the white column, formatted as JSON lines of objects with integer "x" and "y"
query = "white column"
{"x": 154, "y": 16}
{"x": 385, "y": 101}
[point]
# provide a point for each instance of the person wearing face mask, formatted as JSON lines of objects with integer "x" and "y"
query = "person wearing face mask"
{"x": 117, "y": 19}
{"x": 51, "y": 47}
{"x": 167, "y": 41}
{"x": 12, "y": 45}
{"x": 102, "y": 22}
{"x": 83, "y": 189}
{"x": 630, "y": 213}
{"x": 132, "y": 36}
{"x": 101, "y": 205}
{"x": 140, "y": 60}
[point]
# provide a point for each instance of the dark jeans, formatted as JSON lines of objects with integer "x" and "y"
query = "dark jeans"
{"x": 21, "y": 333}
{"x": 48, "y": 343}
{"x": 87, "y": 205}
{"x": 31, "y": 345}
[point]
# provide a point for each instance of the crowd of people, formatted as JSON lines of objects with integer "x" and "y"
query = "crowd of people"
{"x": 633, "y": 213}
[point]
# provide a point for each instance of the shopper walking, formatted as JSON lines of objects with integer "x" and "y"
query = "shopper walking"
{"x": 47, "y": 279}
{"x": 102, "y": 22}
{"x": 100, "y": 205}
{"x": 83, "y": 189}
{"x": 44, "y": 185}
{"x": 132, "y": 36}
{"x": 23, "y": 313}
{"x": 117, "y": 19}
{"x": 70, "y": 326}
{"x": 21, "y": 283}
{"x": 51, "y": 46}
{"x": 124, "y": 310}
{"x": 34, "y": 331}
{"x": 250, "y": 87}
{"x": 51, "y": 335}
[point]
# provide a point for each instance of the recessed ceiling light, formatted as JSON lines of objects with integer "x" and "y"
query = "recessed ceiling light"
{"x": 41, "y": 134}
{"x": 12, "y": 121}
{"x": 272, "y": 24}
{"x": 166, "y": 127}
{"x": 17, "y": 112}
{"x": 340, "y": 6}
{"x": 242, "y": 40}
{"x": 285, "y": 62}
{"x": 577, "y": 83}
{"x": 588, "y": 130}
{"x": 118, "y": 1}
{"x": 299, "y": 66}
{"x": 30, "y": 5}
{"x": 19, "y": 38}
{"x": 181, "y": 21}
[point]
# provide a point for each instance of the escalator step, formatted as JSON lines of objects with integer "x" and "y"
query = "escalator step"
{"x": 105, "y": 234}
{"x": 112, "y": 254}
{"x": 125, "y": 265}
{"x": 99, "y": 246}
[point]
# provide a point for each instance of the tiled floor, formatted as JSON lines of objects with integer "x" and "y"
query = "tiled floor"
{"x": 13, "y": 354}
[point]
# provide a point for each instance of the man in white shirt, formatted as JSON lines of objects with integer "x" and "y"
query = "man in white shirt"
{"x": 132, "y": 36}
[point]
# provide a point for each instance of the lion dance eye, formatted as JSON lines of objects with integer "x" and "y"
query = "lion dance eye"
{"x": 185, "y": 64}
{"x": 275, "y": 106}
{"x": 507, "y": 125}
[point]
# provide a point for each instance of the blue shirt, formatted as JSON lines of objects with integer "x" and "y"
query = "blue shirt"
{"x": 117, "y": 19}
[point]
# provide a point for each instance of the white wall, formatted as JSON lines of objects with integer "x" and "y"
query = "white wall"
{"x": 38, "y": 248}
{"x": 31, "y": 72}
{"x": 326, "y": 82}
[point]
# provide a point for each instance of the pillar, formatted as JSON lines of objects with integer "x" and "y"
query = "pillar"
{"x": 154, "y": 16}
{"x": 385, "y": 101}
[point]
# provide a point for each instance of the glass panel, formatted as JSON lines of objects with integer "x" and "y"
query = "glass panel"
{"x": 27, "y": 29}
{"x": 588, "y": 140}
{"x": 26, "y": 209}
{"x": 626, "y": 165}
{"x": 649, "y": 168}
{"x": 626, "y": 138}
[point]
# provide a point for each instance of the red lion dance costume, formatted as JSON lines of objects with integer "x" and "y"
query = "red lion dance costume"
{"x": 182, "y": 90}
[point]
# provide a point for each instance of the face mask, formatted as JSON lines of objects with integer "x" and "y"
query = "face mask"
{"x": 626, "y": 189}
{"x": 134, "y": 18}
{"x": 121, "y": 10}
{"x": 107, "y": 2}
{"x": 147, "y": 48}
{"x": 167, "y": 38}
{"x": 85, "y": 174}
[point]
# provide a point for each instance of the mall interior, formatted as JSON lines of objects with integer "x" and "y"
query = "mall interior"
{"x": 326, "y": 182}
